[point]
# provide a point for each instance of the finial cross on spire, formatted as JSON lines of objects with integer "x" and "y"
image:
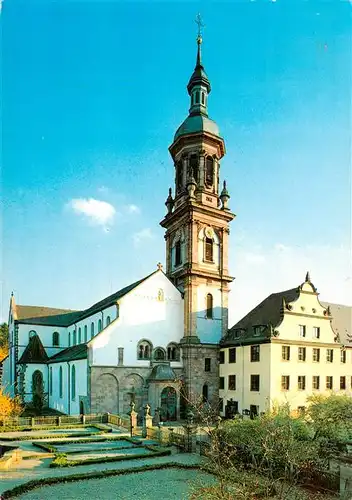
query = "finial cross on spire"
{"x": 201, "y": 25}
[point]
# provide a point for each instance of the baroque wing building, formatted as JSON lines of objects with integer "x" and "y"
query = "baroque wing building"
{"x": 155, "y": 341}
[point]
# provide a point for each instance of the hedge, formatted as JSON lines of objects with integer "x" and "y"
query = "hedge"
{"x": 50, "y": 436}
{"x": 48, "y": 481}
{"x": 61, "y": 459}
{"x": 25, "y": 428}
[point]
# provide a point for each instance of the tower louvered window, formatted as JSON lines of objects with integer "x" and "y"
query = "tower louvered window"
{"x": 209, "y": 171}
{"x": 194, "y": 164}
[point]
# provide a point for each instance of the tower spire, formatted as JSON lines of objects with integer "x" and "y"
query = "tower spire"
{"x": 199, "y": 39}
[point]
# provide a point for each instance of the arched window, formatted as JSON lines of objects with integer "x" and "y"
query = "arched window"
{"x": 205, "y": 393}
{"x": 50, "y": 381}
{"x": 32, "y": 334}
{"x": 203, "y": 98}
{"x": 56, "y": 339}
{"x": 208, "y": 242}
{"x": 73, "y": 382}
{"x": 173, "y": 352}
{"x": 69, "y": 339}
{"x": 209, "y": 171}
{"x": 99, "y": 325}
{"x": 74, "y": 337}
{"x": 117, "y": 310}
{"x": 197, "y": 97}
{"x": 159, "y": 354}
{"x": 160, "y": 295}
{"x": 60, "y": 382}
{"x": 178, "y": 259}
{"x": 193, "y": 163}
{"x": 85, "y": 333}
{"x": 144, "y": 349}
{"x": 209, "y": 314}
{"x": 108, "y": 320}
{"x": 92, "y": 330}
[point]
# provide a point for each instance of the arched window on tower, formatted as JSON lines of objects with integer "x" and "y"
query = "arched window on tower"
{"x": 203, "y": 98}
{"x": 99, "y": 325}
{"x": 56, "y": 339}
{"x": 197, "y": 97}
{"x": 194, "y": 166}
{"x": 208, "y": 243}
{"x": 79, "y": 335}
{"x": 205, "y": 393}
{"x": 108, "y": 320}
{"x": 69, "y": 339}
{"x": 74, "y": 337}
{"x": 178, "y": 259}
{"x": 85, "y": 333}
{"x": 209, "y": 171}
{"x": 92, "y": 330}
{"x": 209, "y": 310}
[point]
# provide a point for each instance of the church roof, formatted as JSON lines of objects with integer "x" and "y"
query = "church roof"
{"x": 73, "y": 353}
{"x": 341, "y": 321}
{"x": 195, "y": 124}
{"x": 162, "y": 372}
{"x": 49, "y": 316}
{"x": 34, "y": 352}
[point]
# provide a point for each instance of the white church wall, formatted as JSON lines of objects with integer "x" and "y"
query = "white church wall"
{"x": 66, "y": 403}
{"x": 142, "y": 316}
{"x": 87, "y": 322}
{"x": 209, "y": 330}
{"x": 55, "y": 401}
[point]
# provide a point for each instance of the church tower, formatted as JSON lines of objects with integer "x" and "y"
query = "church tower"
{"x": 197, "y": 233}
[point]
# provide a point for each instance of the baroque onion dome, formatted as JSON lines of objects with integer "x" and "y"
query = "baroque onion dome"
{"x": 198, "y": 88}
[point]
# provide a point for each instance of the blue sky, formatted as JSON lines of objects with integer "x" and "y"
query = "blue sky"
{"x": 92, "y": 95}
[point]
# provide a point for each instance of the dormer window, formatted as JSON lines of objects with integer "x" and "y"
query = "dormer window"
{"x": 258, "y": 330}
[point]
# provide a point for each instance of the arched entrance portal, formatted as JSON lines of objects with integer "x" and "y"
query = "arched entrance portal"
{"x": 38, "y": 390}
{"x": 168, "y": 404}
{"x": 81, "y": 408}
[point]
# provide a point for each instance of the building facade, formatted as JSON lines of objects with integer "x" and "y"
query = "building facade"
{"x": 287, "y": 348}
{"x": 155, "y": 341}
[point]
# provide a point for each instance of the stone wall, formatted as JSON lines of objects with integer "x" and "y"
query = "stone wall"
{"x": 112, "y": 389}
{"x": 196, "y": 377}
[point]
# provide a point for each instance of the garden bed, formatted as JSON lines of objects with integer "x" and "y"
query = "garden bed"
{"x": 96, "y": 457}
{"x": 100, "y": 484}
{"x": 91, "y": 430}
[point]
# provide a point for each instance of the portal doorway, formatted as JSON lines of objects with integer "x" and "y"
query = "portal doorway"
{"x": 168, "y": 404}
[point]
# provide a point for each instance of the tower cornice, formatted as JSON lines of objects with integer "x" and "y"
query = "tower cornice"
{"x": 197, "y": 138}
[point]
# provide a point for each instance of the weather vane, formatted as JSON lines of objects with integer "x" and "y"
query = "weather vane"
{"x": 201, "y": 25}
